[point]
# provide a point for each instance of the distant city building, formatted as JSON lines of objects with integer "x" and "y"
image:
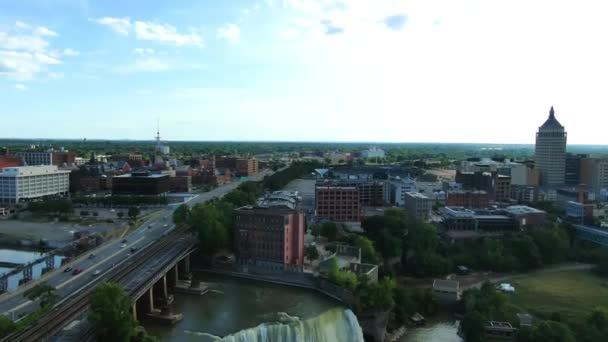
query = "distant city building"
{"x": 269, "y": 239}
{"x": 337, "y": 203}
{"x": 468, "y": 199}
{"x": 550, "y": 151}
{"x": 9, "y": 161}
{"x": 180, "y": 184}
{"x": 373, "y": 152}
{"x": 594, "y": 173}
{"x": 502, "y": 191}
{"x": 418, "y": 205}
{"x": 573, "y": 168}
{"x": 526, "y": 216}
{"x": 140, "y": 183}
{"x": 395, "y": 189}
{"x": 579, "y": 212}
{"x": 57, "y": 158}
{"x": 246, "y": 167}
{"x": 29, "y": 182}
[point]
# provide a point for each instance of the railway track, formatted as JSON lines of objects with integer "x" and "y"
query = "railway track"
{"x": 63, "y": 314}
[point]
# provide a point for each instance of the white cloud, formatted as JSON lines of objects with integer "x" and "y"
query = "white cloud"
{"x": 118, "y": 25}
{"x": 70, "y": 52}
{"x": 24, "y": 51}
{"x": 143, "y": 51}
{"x": 150, "y": 64}
{"x": 20, "y": 87}
{"x": 229, "y": 32}
{"x": 165, "y": 33}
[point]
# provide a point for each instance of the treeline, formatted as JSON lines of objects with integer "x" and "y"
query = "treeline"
{"x": 488, "y": 304}
{"x": 297, "y": 169}
{"x": 121, "y": 201}
{"x": 51, "y": 206}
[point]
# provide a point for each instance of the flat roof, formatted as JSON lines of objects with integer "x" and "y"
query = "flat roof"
{"x": 151, "y": 175}
{"x": 522, "y": 209}
{"x": 417, "y": 195}
{"x": 445, "y": 284}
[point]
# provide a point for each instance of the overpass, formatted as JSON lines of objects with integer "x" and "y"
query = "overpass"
{"x": 592, "y": 234}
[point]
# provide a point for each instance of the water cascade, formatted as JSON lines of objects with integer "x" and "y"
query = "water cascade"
{"x": 334, "y": 325}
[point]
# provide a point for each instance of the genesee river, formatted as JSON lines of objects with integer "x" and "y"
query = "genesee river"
{"x": 234, "y": 305}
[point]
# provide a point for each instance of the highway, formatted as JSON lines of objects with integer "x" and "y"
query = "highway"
{"x": 14, "y": 305}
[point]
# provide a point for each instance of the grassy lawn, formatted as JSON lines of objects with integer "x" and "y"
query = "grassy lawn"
{"x": 573, "y": 294}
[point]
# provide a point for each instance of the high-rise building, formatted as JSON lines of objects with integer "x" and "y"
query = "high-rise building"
{"x": 550, "y": 152}
{"x": 337, "y": 203}
{"x": 594, "y": 173}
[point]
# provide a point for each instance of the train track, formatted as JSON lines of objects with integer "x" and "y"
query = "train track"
{"x": 63, "y": 314}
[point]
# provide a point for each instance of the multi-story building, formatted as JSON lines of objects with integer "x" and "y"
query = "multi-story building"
{"x": 8, "y": 161}
{"x": 395, "y": 189}
{"x": 573, "y": 168}
{"x": 269, "y": 239}
{"x": 246, "y": 166}
{"x": 468, "y": 199}
{"x": 418, "y": 205}
{"x": 478, "y": 180}
{"x": 550, "y": 151}
{"x": 594, "y": 173}
{"x": 57, "y": 158}
{"x": 337, "y": 203}
{"x": 526, "y": 216}
{"x": 180, "y": 184}
{"x": 373, "y": 152}
{"x": 24, "y": 183}
{"x": 140, "y": 183}
{"x": 127, "y": 157}
{"x": 502, "y": 189}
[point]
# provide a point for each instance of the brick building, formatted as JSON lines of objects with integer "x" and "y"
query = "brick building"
{"x": 337, "y": 203}
{"x": 246, "y": 166}
{"x": 269, "y": 239}
{"x": 468, "y": 199}
{"x": 57, "y": 158}
{"x": 502, "y": 190}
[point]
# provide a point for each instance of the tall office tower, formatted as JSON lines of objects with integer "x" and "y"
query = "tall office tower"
{"x": 550, "y": 153}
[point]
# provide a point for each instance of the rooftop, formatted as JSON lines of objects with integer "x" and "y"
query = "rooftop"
{"x": 522, "y": 209}
{"x": 417, "y": 195}
{"x": 142, "y": 175}
{"x": 552, "y": 122}
{"x": 31, "y": 170}
{"x": 446, "y": 285}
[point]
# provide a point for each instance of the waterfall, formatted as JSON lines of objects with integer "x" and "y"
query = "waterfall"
{"x": 334, "y": 325}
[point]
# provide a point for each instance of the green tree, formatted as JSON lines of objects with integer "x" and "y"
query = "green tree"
{"x": 312, "y": 253}
{"x": 329, "y": 230}
{"x": 180, "y": 215}
{"x": 550, "y": 331}
{"x": 46, "y": 293}
{"x": 206, "y": 221}
{"x": 120, "y": 214}
{"x": 315, "y": 230}
{"x": 377, "y": 296}
{"x": 133, "y": 212}
{"x": 473, "y": 326}
{"x": 598, "y": 318}
{"x": 368, "y": 252}
{"x": 110, "y": 314}
{"x": 6, "y": 326}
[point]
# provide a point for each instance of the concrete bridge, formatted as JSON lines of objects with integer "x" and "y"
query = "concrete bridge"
{"x": 592, "y": 234}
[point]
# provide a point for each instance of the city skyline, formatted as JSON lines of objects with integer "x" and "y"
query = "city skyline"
{"x": 331, "y": 71}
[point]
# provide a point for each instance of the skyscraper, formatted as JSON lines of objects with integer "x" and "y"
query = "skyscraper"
{"x": 550, "y": 153}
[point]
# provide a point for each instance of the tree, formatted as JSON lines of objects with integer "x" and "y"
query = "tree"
{"x": 378, "y": 296}
{"x": 368, "y": 252}
{"x": 312, "y": 253}
{"x": 180, "y": 215}
{"x": 110, "y": 313}
{"x": 206, "y": 221}
{"x": 6, "y": 326}
{"x": 316, "y": 230}
{"x": 329, "y": 230}
{"x": 598, "y": 319}
{"x": 46, "y": 293}
{"x": 550, "y": 331}
{"x": 473, "y": 326}
{"x": 133, "y": 212}
{"x": 120, "y": 214}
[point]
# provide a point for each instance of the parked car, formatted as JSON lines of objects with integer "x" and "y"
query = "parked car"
{"x": 165, "y": 225}
{"x": 91, "y": 256}
{"x": 124, "y": 241}
{"x": 123, "y": 245}
{"x": 133, "y": 249}
{"x": 96, "y": 273}
{"x": 68, "y": 269}
{"x": 77, "y": 271}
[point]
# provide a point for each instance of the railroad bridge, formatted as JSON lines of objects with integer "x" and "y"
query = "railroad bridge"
{"x": 592, "y": 234}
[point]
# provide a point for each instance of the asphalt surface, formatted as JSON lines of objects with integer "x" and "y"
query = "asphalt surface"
{"x": 14, "y": 305}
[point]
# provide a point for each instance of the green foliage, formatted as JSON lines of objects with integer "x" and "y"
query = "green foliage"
{"x": 488, "y": 301}
{"x": 346, "y": 279}
{"x": 430, "y": 264}
{"x": 120, "y": 214}
{"x": 240, "y": 198}
{"x": 315, "y": 230}
{"x": 133, "y": 212}
{"x": 387, "y": 232}
{"x": 279, "y": 179}
{"x": 329, "y": 230}
{"x": 44, "y": 292}
{"x": 378, "y": 296}
{"x": 550, "y": 331}
{"x": 6, "y": 326}
{"x": 553, "y": 244}
{"x": 51, "y": 206}
{"x": 110, "y": 314}
{"x": 206, "y": 220}
{"x": 121, "y": 201}
{"x": 311, "y": 253}
{"x": 368, "y": 252}
{"x": 181, "y": 214}
{"x": 473, "y": 326}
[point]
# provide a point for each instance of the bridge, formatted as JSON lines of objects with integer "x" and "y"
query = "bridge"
{"x": 592, "y": 234}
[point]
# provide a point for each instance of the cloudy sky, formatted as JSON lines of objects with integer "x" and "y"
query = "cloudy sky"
{"x": 304, "y": 70}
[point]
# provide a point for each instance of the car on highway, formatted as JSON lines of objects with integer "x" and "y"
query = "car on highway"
{"x": 123, "y": 245}
{"x": 165, "y": 225}
{"x": 124, "y": 241}
{"x": 77, "y": 271}
{"x": 96, "y": 273}
{"x": 91, "y": 256}
{"x": 68, "y": 269}
{"x": 133, "y": 249}
{"x": 149, "y": 226}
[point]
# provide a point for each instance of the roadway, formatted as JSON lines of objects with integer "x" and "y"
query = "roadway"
{"x": 14, "y": 305}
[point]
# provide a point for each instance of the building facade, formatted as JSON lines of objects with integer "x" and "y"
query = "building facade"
{"x": 550, "y": 151}
{"x": 418, "y": 205}
{"x": 337, "y": 203}
{"x": 502, "y": 189}
{"x": 18, "y": 184}
{"x": 57, "y": 158}
{"x": 246, "y": 166}
{"x": 573, "y": 168}
{"x": 140, "y": 183}
{"x": 468, "y": 199}
{"x": 594, "y": 173}
{"x": 269, "y": 239}
{"x": 373, "y": 152}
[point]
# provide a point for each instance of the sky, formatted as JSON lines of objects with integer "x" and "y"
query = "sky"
{"x": 303, "y": 70}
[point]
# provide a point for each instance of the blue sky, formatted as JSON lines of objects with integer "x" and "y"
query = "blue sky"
{"x": 303, "y": 70}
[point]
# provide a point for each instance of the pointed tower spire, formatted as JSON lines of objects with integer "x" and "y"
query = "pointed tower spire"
{"x": 552, "y": 113}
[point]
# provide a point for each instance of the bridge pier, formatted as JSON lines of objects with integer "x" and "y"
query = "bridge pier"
{"x": 134, "y": 311}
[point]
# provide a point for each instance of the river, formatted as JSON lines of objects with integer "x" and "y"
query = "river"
{"x": 23, "y": 256}
{"x": 241, "y": 307}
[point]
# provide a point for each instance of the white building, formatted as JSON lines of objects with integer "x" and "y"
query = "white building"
{"x": 395, "y": 189}
{"x": 29, "y": 182}
{"x": 418, "y": 205}
{"x": 373, "y": 152}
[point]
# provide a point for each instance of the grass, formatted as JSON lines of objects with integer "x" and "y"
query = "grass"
{"x": 572, "y": 294}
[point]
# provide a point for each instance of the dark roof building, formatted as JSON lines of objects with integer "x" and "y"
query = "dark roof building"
{"x": 140, "y": 183}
